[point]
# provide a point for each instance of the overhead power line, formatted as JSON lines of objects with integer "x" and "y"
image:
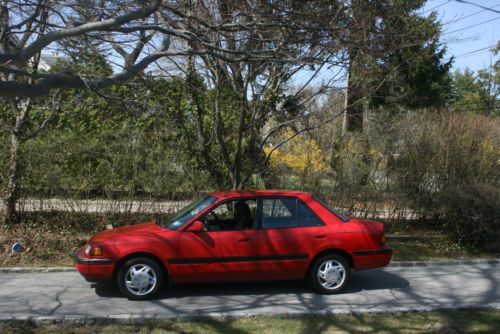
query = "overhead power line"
{"x": 472, "y": 54}
{"x": 431, "y": 9}
{"x": 474, "y": 51}
{"x": 467, "y": 16}
{"x": 471, "y": 26}
{"x": 480, "y": 6}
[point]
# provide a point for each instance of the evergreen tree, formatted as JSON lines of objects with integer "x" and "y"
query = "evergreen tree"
{"x": 411, "y": 70}
{"x": 479, "y": 92}
{"x": 401, "y": 62}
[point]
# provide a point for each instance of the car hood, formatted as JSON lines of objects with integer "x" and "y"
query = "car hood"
{"x": 138, "y": 229}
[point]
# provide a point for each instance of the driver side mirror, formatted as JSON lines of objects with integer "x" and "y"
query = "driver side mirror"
{"x": 196, "y": 227}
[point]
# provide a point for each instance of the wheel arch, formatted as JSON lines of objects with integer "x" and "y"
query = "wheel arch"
{"x": 328, "y": 251}
{"x": 151, "y": 256}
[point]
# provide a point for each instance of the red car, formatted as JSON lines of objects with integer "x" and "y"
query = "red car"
{"x": 237, "y": 236}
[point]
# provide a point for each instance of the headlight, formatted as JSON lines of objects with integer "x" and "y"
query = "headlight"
{"x": 94, "y": 250}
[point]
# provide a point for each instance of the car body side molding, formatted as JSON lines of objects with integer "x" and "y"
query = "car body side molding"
{"x": 239, "y": 259}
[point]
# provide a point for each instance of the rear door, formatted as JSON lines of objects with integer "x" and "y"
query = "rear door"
{"x": 290, "y": 234}
{"x": 227, "y": 250}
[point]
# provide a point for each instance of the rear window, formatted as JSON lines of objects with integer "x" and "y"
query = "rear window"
{"x": 287, "y": 212}
{"x": 307, "y": 218}
{"x": 279, "y": 212}
{"x": 332, "y": 210}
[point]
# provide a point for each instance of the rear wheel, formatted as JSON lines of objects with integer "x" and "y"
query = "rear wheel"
{"x": 329, "y": 274}
{"x": 140, "y": 278}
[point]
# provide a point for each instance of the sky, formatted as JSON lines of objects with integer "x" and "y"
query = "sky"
{"x": 467, "y": 28}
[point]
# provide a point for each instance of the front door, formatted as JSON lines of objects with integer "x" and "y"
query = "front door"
{"x": 226, "y": 250}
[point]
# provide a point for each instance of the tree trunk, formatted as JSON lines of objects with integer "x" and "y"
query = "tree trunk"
{"x": 353, "y": 114}
{"x": 363, "y": 22}
{"x": 11, "y": 194}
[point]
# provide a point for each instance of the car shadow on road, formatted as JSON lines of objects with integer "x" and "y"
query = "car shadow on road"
{"x": 360, "y": 281}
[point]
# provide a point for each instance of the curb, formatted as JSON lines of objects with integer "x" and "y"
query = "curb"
{"x": 129, "y": 319}
{"x": 21, "y": 270}
{"x": 442, "y": 262}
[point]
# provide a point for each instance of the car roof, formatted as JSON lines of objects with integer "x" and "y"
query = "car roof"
{"x": 258, "y": 193}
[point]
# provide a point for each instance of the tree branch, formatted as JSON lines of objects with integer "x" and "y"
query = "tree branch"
{"x": 48, "y": 38}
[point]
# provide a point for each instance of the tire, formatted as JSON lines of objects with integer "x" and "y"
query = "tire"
{"x": 329, "y": 274}
{"x": 140, "y": 278}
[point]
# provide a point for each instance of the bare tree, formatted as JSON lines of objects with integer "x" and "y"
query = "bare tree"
{"x": 262, "y": 49}
{"x": 251, "y": 47}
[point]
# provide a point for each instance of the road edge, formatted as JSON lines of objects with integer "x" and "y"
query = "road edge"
{"x": 82, "y": 320}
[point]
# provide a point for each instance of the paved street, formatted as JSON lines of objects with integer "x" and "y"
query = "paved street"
{"x": 390, "y": 289}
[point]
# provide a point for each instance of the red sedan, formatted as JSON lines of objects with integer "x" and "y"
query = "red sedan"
{"x": 237, "y": 236}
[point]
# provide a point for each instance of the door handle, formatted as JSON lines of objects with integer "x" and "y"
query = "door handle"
{"x": 244, "y": 240}
{"x": 321, "y": 236}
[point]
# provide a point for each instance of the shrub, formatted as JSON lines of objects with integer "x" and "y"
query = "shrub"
{"x": 471, "y": 214}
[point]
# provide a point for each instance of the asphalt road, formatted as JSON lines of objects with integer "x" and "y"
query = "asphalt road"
{"x": 66, "y": 294}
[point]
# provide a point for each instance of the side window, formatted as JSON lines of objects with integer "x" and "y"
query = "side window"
{"x": 224, "y": 212}
{"x": 231, "y": 215}
{"x": 279, "y": 213}
{"x": 307, "y": 217}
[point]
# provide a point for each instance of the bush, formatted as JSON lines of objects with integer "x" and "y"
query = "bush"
{"x": 471, "y": 214}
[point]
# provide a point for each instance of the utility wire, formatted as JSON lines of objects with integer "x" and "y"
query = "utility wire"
{"x": 483, "y": 7}
{"x": 471, "y": 26}
{"x": 474, "y": 51}
{"x": 431, "y": 9}
{"x": 466, "y": 17}
{"x": 474, "y": 54}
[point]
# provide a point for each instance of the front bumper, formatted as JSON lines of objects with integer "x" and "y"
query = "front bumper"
{"x": 94, "y": 269}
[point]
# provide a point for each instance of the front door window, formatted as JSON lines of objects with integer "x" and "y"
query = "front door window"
{"x": 234, "y": 215}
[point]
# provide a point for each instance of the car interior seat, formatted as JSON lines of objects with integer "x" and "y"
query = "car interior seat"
{"x": 242, "y": 216}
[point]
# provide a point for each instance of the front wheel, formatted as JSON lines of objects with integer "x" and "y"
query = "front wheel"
{"x": 140, "y": 278}
{"x": 329, "y": 274}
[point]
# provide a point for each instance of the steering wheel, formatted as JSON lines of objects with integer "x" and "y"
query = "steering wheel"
{"x": 211, "y": 219}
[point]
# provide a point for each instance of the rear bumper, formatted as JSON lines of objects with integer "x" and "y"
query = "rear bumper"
{"x": 93, "y": 269}
{"x": 372, "y": 258}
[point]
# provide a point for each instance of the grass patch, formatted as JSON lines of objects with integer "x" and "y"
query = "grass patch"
{"x": 435, "y": 247}
{"x": 452, "y": 321}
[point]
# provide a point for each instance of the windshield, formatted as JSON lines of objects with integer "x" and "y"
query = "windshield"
{"x": 332, "y": 210}
{"x": 188, "y": 212}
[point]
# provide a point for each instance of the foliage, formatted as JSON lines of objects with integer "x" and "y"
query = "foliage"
{"x": 98, "y": 147}
{"x": 300, "y": 156}
{"x": 471, "y": 214}
{"x": 403, "y": 63}
{"x": 402, "y": 163}
{"x": 412, "y": 71}
{"x": 478, "y": 92}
